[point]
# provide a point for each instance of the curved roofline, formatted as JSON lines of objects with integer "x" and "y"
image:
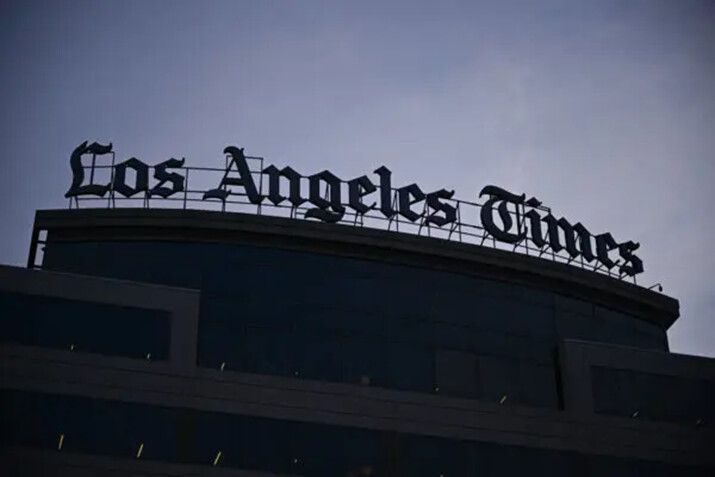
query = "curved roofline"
{"x": 356, "y": 242}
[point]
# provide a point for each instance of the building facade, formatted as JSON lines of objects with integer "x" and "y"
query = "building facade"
{"x": 180, "y": 342}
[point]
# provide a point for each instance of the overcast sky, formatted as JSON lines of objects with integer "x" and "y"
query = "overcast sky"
{"x": 604, "y": 110}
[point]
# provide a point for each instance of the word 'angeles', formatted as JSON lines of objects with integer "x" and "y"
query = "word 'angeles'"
{"x": 542, "y": 231}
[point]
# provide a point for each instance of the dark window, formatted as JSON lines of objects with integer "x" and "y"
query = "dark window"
{"x": 242, "y": 441}
{"x": 88, "y": 425}
{"x": 457, "y": 373}
{"x": 448, "y": 335}
{"x": 283, "y": 446}
{"x": 222, "y": 341}
{"x": 332, "y": 450}
{"x": 335, "y": 318}
{"x": 70, "y": 257}
{"x": 364, "y": 361}
{"x": 538, "y": 385}
{"x": 411, "y": 367}
{"x": 317, "y": 356}
{"x": 268, "y": 351}
{"x": 84, "y": 326}
{"x": 421, "y": 455}
{"x": 654, "y": 397}
{"x": 499, "y": 380}
{"x": 16, "y": 323}
{"x": 120, "y": 429}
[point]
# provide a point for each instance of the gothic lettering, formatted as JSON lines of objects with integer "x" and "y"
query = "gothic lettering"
{"x": 385, "y": 191}
{"x": 77, "y": 189}
{"x": 160, "y": 174}
{"x": 537, "y": 236}
{"x": 518, "y": 219}
{"x": 449, "y": 211}
{"x": 407, "y": 196}
{"x": 322, "y": 206}
{"x": 503, "y": 197}
{"x": 357, "y": 189}
{"x": 633, "y": 265}
{"x": 141, "y": 182}
{"x": 274, "y": 175}
{"x": 604, "y": 244}
{"x": 576, "y": 237}
{"x": 244, "y": 179}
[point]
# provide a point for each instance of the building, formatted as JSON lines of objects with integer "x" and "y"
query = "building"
{"x": 152, "y": 341}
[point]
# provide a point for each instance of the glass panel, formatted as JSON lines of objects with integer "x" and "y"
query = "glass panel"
{"x": 300, "y": 448}
{"x": 89, "y": 425}
{"x": 330, "y": 450}
{"x": 214, "y": 433}
{"x": 447, "y": 335}
{"x": 652, "y": 396}
{"x": 411, "y": 367}
{"x": 572, "y": 305}
{"x": 221, "y": 342}
{"x": 15, "y": 318}
{"x": 571, "y": 325}
{"x": 538, "y": 385}
{"x": 457, "y": 373}
{"x": 124, "y": 260}
{"x": 606, "y": 391}
{"x": 70, "y": 257}
{"x": 266, "y": 444}
{"x": 268, "y": 351}
{"x": 499, "y": 379}
{"x": 173, "y": 264}
{"x": 365, "y": 361}
{"x": 361, "y": 303}
{"x": 86, "y": 326}
{"x": 317, "y": 356}
{"x": 433, "y": 456}
{"x": 418, "y": 332}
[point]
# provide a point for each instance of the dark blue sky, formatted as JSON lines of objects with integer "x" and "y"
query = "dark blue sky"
{"x": 604, "y": 110}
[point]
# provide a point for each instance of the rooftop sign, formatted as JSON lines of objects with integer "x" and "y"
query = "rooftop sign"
{"x": 504, "y": 219}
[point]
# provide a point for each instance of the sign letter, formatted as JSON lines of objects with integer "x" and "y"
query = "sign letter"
{"x": 385, "y": 191}
{"x": 78, "y": 170}
{"x": 160, "y": 174}
{"x": 244, "y": 178}
{"x": 120, "y": 177}
{"x": 407, "y": 196}
{"x": 357, "y": 189}
{"x": 274, "y": 186}
{"x": 321, "y": 210}
{"x": 450, "y": 213}
{"x": 504, "y": 197}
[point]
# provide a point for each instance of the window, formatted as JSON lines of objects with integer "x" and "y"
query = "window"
{"x": 538, "y": 385}
{"x": 84, "y": 326}
{"x": 457, "y": 373}
{"x": 411, "y": 367}
{"x": 221, "y": 341}
{"x": 268, "y": 351}
{"x": 653, "y": 396}
{"x": 365, "y": 361}
{"x": 317, "y": 356}
{"x": 422, "y": 455}
{"x": 88, "y": 425}
{"x": 499, "y": 379}
{"x": 334, "y": 318}
{"x": 71, "y": 257}
{"x": 250, "y": 442}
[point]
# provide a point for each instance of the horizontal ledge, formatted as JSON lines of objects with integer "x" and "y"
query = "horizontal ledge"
{"x": 358, "y": 242}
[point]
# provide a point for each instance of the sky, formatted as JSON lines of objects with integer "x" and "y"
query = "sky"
{"x": 604, "y": 110}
